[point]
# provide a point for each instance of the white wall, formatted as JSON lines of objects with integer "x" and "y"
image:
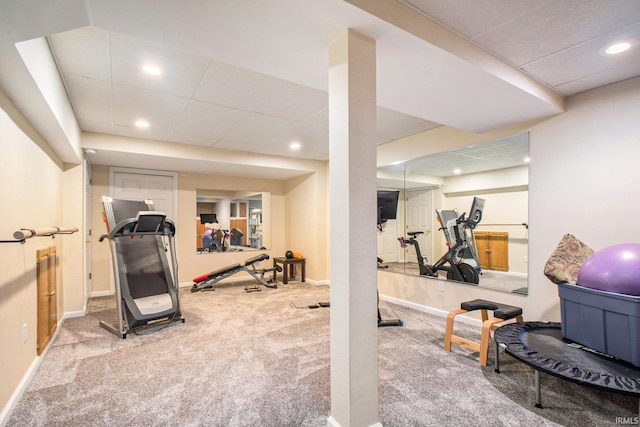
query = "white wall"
{"x": 583, "y": 179}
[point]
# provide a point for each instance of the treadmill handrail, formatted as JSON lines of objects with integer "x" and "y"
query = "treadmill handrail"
{"x": 127, "y": 227}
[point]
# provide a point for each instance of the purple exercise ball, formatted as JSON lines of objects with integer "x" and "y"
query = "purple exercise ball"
{"x": 613, "y": 269}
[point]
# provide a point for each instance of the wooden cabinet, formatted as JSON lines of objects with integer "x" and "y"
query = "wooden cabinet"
{"x": 47, "y": 300}
{"x": 493, "y": 250}
{"x": 241, "y": 225}
{"x": 200, "y": 229}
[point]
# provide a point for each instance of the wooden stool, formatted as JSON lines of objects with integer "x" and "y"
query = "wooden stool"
{"x": 501, "y": 313}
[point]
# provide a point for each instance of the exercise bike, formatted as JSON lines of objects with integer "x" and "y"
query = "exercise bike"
{"x": 458, "y": 260}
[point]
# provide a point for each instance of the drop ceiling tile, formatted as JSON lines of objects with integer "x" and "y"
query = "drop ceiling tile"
{"x": 497, "y": 154}
{"x": 133, "y": 132}
{"x": 260, "y": 128}
{"x": 312, "y": 137}
{"x": 160, "y": 110}
{"x": 181, "y": 71}
{"x": 584, "y": 60}
{"x": 472, "y": 18}
{"x": 91, "y": 99}
{"x": 321, "y": 118}
{"x": 557, "y": 26}
{"x": 209, "y": 120}
{"x": 294, "y": 101}
{"x": 522, "y": 30}
{"x": 596, "y": 80}
{"x": 431, "y": 165}
{"x": 509, "y": 159}
{"x": 83, "y": 52}
{"x": 236, "y": 87}
{"x": 97, "y": 127}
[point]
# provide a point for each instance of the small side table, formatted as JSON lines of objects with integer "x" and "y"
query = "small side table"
{"x": 288, "y": 268}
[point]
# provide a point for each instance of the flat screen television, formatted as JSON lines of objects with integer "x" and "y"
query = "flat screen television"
{"x": 208, "y": 218}
{"x": 387, "y": 205}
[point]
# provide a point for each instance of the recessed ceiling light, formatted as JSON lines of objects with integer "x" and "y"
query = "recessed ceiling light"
{"x": 618, "y": 48}
{"x": 295, "y": 146}
{"x": 142, "y": 124}
{"x": 90, "y": 151}
{"x": 526, "y": 160}
{"x": 152, "y": 69}
{"x": 457, "y": 171}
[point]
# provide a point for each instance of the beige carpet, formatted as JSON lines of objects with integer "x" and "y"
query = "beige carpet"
{"x": 253, "y": 359}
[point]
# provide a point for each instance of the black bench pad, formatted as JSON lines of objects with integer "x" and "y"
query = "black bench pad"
{"x": 258, "y": 258}
{"x": 501, "y": 311}
{"x": 219, "y": 272}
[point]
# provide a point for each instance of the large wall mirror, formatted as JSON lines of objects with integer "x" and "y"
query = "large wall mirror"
{"x": 229, "y": 221}
{"x": 443, "y": 186}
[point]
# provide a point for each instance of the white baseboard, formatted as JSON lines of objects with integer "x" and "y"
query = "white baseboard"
{"x": 316, "y": 282}
{"x": 331, "y": 422}
{"x": 70, "y": 314}
{"x": 95, "y": 294}
{"x": 26, "y": 379}
{"x": 17, "y": 393}
{"x": 435, "y": 311}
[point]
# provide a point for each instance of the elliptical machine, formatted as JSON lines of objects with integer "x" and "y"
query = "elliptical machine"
{"x": 460, "y": 261}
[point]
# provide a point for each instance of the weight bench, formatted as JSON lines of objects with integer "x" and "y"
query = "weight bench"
{"x": 501, "y": 313}
{"x": 206, "y": 281}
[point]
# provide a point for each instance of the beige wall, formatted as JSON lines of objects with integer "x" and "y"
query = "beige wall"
{"x": 307, "y": 220}
{"x": 582, "y": 180}
{"x": 293, "y": 210}
{"x": 31, "y": 197}
{"x": 191, "y": 264}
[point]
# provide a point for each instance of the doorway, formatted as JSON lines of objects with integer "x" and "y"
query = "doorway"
{"x": 419, "y": 217}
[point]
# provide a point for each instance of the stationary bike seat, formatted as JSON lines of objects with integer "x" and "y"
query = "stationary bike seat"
{"x": 414, "y": 233}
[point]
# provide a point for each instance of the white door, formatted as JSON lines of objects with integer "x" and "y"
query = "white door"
{"x": 388, "y": 241}
{"x": 158, "y": 186}
{"x": 419, "y": 213}
{"x": 155, "y": 186}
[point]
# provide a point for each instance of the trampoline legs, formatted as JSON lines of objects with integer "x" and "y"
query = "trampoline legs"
{"x": 538, "y": 397}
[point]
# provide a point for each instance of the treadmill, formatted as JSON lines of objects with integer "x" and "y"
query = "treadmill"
{"x": 146, "y": 283}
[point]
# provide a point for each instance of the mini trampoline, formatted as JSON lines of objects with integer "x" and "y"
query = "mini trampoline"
{"x": 541, "y": 346}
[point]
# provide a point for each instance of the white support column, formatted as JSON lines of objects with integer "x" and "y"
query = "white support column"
{"x": 352, "y": 221}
